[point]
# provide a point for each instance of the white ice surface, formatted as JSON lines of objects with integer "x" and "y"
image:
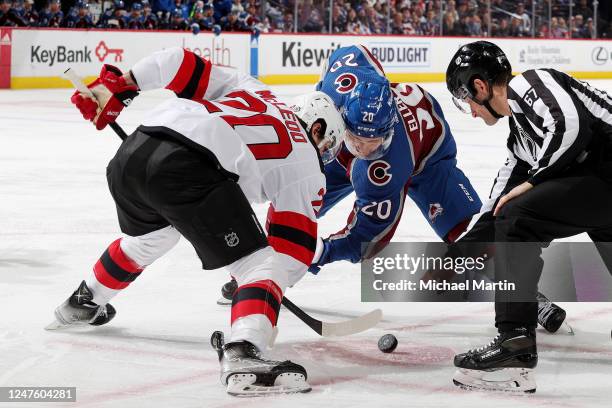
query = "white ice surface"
{"x": 57, "y": 217}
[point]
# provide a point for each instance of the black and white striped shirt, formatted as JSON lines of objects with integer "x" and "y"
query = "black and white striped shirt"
{"x": 555, "y": 119}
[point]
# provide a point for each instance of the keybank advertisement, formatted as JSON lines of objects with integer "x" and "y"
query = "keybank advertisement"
{"x": 300, "y": 58}
{"x": 48, "y": 53}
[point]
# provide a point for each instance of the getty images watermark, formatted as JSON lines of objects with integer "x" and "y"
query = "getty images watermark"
{"x": 413, "y": 272}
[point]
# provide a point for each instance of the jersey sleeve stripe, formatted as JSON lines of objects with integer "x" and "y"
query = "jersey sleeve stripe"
{"x": 192, "y": 85}
{"x": 192, "y": 78}
{"x": 294, "y": 220}
{"x": 294, "y": 235}
{"x": 289, "y": 248}
{"x": 181, "y": 79}
{"x": 203, "y": 83}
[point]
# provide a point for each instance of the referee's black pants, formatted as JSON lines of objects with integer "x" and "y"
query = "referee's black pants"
{"x": 575, "y": 203}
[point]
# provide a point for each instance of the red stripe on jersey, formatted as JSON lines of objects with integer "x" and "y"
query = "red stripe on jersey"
{"x": 348, "y": 226}
{"x": 121, "y": 258}
{"x": 384, "y": 241}
{"x": 293, "y": 220}
{"x": 203, "y": 84}
{"x": 378, "y": 64}
{"x": 184, "y": 73}
{"x": 106, "y": 279}
{"x": 269, "y": 285}
{"x": 249, "y": 307}
{"x": 345, "y": 158}
{"x": 297, "y": 252}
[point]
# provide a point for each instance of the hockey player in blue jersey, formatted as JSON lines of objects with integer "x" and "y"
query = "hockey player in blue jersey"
{"x": 397, "y": 143}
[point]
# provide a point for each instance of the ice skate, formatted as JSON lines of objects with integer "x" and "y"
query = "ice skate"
{"x": 246, "y": 374}
{"x": 79, "y": 310}
{"x": 505, "y": 364}
{"x": 550, "y": 316}
{"x": 227, "y": 292}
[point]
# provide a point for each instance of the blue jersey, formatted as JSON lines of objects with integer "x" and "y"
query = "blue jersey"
{"x": 420, "y": 163}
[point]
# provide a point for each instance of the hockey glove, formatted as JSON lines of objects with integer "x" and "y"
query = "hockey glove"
{"x": 112, "y": 94}
{"x": 321, "y": 257}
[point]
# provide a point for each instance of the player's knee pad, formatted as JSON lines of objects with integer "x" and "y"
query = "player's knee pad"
{"x": 145, "y": 249}
{"x": 225, "y": 228}
{"x": 264, "y": 264}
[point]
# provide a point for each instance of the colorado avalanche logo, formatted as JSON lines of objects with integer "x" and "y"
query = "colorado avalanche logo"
{"x": 345, "y": 83}
{"x": 435, "y": 209}
{"x": 232, "y": 239}
{"x": 378, "y": 173}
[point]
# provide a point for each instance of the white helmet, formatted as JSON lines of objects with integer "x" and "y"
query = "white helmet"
{"x": 318, "y": 107}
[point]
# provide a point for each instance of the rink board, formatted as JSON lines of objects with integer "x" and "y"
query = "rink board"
{"x": 36, "y": 58}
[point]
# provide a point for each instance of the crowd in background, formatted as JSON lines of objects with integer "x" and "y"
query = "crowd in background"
{"x": 411, "y": 17}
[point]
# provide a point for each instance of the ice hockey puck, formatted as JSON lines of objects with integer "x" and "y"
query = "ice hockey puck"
{"x": 387, "y": 343}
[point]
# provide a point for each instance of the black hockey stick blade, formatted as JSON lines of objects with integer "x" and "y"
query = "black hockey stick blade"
{"x": 335, "y": 329}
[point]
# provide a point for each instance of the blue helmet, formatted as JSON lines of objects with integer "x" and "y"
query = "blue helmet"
{"x": 136, "y": 6}
{"x": 119, "y": 5}
{"x": 369, "y": 111}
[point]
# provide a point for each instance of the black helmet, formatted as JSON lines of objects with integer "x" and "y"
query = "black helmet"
{"x": 480, "y": 59}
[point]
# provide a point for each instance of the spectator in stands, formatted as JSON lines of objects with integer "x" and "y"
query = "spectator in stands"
{"x": 589, "y": 29}
{"x": 95, "y": 10}
{"x": 183, "y": 6}
{"x": 338, "y": 19}
{"x": 474, "y": 26}
{"x": 135, "y": 20}
{"x": 204, "y": 18}
{"x": 288, "y": 23}
{"x": 150, "y": 20}
{"x": 583, "y": 9}
{"x": 432, "y": 23}
{"x": 78, "y": 16}
{"x": 222, "y": 8}
{"x": 163, "y": 6}
{"x": 231, "y": 22}
{"x": 30, "y": 16}
{"x": 9, "y": 16}
{"x": 516, "y": 27}
{"x": 502, "y": 29}
{"x": 450, "y": 26}
{"x": 114, "y": 17}
{"x": 524, "y": 18}
{"x": 313, "y": 20}
{"x": 177, "y": 21}
{"x": 397, "y": 24}
{"x": 52, "y": 15}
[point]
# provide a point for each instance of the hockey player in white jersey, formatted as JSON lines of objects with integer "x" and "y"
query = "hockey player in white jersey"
{"x": 192, "y": 169}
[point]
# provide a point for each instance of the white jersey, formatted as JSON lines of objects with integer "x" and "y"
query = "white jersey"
{"x": 251, "y": 133}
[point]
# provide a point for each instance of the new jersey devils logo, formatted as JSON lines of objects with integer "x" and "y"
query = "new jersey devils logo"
{"x": 378, "y": 173}
{"x": 435, "y": 209}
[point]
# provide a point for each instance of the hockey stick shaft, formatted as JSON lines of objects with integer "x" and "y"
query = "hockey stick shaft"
{"x": 82, "y": 88}
{"x": 313, "y": 323}
{"x": 334, "y": 329}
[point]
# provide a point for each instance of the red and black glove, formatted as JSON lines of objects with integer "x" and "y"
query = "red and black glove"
{"x": 112, "y": 94}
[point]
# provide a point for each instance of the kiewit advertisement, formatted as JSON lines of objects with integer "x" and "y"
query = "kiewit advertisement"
{"x": 39, "y": 57}
{"x": 300, "y": 58}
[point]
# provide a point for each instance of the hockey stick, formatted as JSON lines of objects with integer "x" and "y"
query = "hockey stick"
{"x": 82, "y": 88}
{"x": 329, "y": 329}
{"x": 325, "y": 329}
